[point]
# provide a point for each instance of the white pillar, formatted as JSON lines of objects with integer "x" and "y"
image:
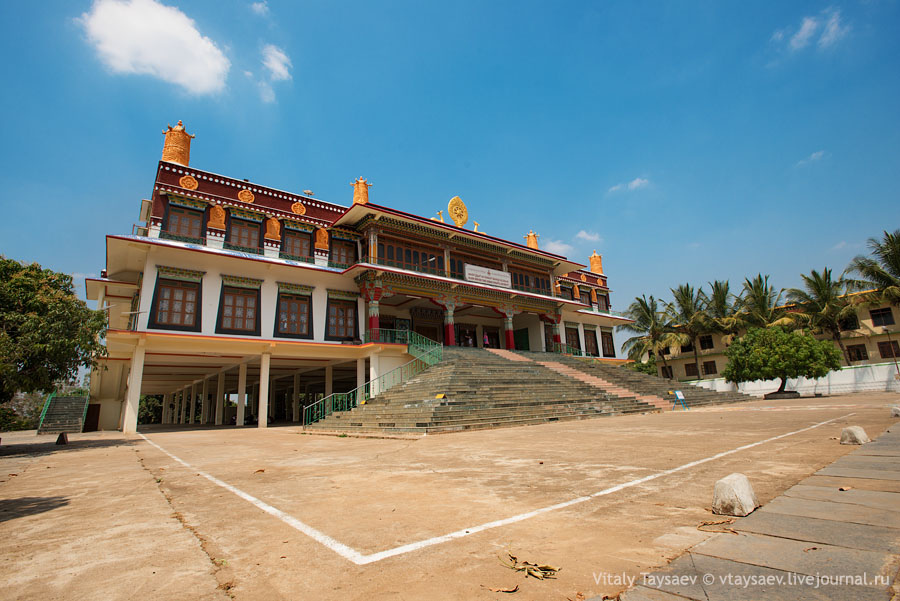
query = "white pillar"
{"x": 242, "y": 394}
{"x": 184, "y": 402}
{"x": 263, "y": 411}
{"x": 204, "y": 402}
{"x": 192, "y": 404}
{"x": 176, "y": 399}
{"x": 165, "y": 409}
{"x": 581, "y": 337}
{"x": 360, "y": 371}
{"x": 220, "y": 398}
{"x": 373, "y": 375}
{"x": 329, "y": 380}
{"x": 271, "y": 403}
{"x": 133, "y": 398}
{"x": 295, "y": 397}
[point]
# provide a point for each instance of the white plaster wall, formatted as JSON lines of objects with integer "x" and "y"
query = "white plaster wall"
{"x": 864, "y": 378}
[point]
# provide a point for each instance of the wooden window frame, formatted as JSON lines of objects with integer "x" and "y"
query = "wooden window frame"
{"x": 879, "y": 315}
{"x": 220, "y": 329}
{"x": 238, "y": 222}
{"x": 294, "y": 234}
{"x": 592, "y": 350}
{"x": 889, "y": 345}
{"x": 689, "y": 367}
{"x": 154, "y": 307}
{"x": 854, "y": 349}
{"x": 709, "y": 372}
{"x": 703, "y": 345}
{"x": 201, "y": 214}
{"x": 339, "y": 301}
{"x": 612, "y": 344}
{"x": 309, "y": 318}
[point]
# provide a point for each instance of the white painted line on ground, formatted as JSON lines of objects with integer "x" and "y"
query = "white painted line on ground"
{"x": 360, "y": 559}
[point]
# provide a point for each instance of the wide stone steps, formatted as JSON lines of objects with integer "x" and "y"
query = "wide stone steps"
{"x": 64, "y": 414}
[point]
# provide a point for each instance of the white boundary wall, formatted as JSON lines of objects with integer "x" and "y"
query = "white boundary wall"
{"x": 881, "y": 377}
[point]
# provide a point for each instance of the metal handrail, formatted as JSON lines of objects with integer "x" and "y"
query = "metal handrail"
{"x": 427, "y": 352}
{"x": 87, "y": 400}
{"x": 564, "y": 349}
{"x": 44, "y": 411}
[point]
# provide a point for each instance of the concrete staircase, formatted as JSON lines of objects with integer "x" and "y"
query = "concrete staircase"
{"x": 650, "y": 389}
{"x": 65, "y": 414}
{"x": 483, "y": 389}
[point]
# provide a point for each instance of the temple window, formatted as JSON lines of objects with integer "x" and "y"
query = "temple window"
{"x": 293, "y": 318}
{"x": 244, "y": 234}
{"x": 343, "y": 252}
{"x": 606, "y": 341}
{"x": 184, "y": 222}
{"x": 603, "y": 302}
{"x": 415, "y": 258}
{"x": 176, "y": 305}
{"x": 530, "y": 282}
{"x": 296, "y": 245}
{"x": 586, "y": 297}
{"x": 239, "y": 311}
{"x": 341, "y": 320}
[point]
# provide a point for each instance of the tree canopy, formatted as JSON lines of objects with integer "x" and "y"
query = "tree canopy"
{"x": 46, "y": 332}
{"x": 879, "y": 272}
{"x": 776, "y": 352}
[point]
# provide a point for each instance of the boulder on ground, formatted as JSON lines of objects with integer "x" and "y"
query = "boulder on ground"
{"x": 733, "y": 495}
{"x": 854, "y": 435}
{"x": 895, "y": 411}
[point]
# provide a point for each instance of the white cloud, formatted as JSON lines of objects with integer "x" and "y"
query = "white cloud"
{"x": 248, "y": 74}
{"x": 804, "y": 34}
{"x": 557, "y": 247}
{"x": 636, "y": 183}
{"x": 266, "y": 93}
{"x": 833, "y": 31}
{"x": 146, "y": 37}
{"x": 588, "y": 236}
{"x": 277, "y": 62}
{"x": 816, "y": 156}
{"x": 260, "y": 8}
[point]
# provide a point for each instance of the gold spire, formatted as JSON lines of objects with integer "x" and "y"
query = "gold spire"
{"x": 596, "y": 263}
{"x": 360, "y": 191}
{"x": 531, "y": 240}
{"x": 177, "y": 147}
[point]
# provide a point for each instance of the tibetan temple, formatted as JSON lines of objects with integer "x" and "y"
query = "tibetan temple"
{"x": 237, "y": 293}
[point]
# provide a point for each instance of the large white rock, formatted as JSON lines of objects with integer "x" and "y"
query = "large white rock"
{"x": 854, "y": 435}
{"x": 895, "y": 411}
{"x": 733, "y": 495}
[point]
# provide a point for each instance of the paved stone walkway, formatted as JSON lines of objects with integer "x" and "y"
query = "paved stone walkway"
{"x": 814, "y": 542}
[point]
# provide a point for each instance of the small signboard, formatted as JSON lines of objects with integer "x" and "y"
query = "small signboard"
{"x": 679, "y": 398}
{"x": 485, "y": 275}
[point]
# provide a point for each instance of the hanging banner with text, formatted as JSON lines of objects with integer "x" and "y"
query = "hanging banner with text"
{"x": 485, "y": 275}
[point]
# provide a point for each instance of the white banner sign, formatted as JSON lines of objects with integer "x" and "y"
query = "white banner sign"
{"x": 484, "y": 275}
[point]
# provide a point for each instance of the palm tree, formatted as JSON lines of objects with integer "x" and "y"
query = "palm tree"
{"x": 652, "y": 326}
{"x": 760, "y": 304}
{"x": 687, "y": 311}
{"x": 823, "y": 304}
{"x": 879, "y": 273}
{"x": 722, "y": 307}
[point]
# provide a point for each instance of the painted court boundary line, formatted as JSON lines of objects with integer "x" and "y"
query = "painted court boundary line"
{"x": 360, "y": 559}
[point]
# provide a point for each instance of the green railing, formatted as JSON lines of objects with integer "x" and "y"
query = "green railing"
{"x": 44, "y": 411}
{"x": 427, "y": 352}
{"x": 564, "y": 349}
{"x": 87, "y": 400}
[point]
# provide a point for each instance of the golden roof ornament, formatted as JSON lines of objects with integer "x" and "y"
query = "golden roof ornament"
{"x": 360, "y": 191}
{"x": 531, "y": 240}
{"x": 177, "y": 146}
{"x": 458, "y": 211}
{"x": 596, "y": 262}
{"x": 439, "y": 214}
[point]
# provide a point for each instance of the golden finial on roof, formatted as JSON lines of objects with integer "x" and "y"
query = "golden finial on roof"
{"x": 440, "y": 214}
{"x": 531, "y": 240}
{"x": 308, "y": 192}
{"x": 177, "y": 147}
{"x": 596, "y": 263}
{"x": 476, "y": 225}
{"x": 458, "y": 211}
{"x": 360, "y": 191}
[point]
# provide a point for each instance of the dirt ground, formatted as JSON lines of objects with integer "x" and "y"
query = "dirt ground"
{"x": 113, "y": 517}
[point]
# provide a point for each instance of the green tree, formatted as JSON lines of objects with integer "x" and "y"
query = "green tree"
{"x": 687, "y": 312}
{"x": 645, "y": 367}
{"x": 46, "y": 332}
{"x": 761, "y": 305}
{"x": 879, "y": 273}
{"x": 776, "y": 352}
{"x": 722, "y": 309}
{"x": 150, "y": 409}
{"x": 822, "y": 305}
{"x": 653, "y": 329}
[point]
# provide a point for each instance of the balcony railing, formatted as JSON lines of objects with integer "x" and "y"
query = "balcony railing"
{"x": 426, "y": 352}
{"x": 167, "y": 235}
{"x": 243, "y": 249}
{"x": 410, "y": 267}
{"x": 302, "y": 259}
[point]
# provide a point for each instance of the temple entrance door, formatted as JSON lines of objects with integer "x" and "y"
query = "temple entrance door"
{"x": 491, "y": 337}
{"x": 466, "y": 335}
{"x": 428, "y": 331}
{"x": 590, "y": 343}
{"x": 572, "y": 338}
{"x": 549, "y": 332}
{"x": 521, "y": 340}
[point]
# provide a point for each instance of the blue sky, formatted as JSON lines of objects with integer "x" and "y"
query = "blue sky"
{"x": 684, "y": 141}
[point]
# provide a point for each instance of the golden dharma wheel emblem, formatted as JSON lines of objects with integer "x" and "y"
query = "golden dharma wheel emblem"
{"x": 188, "y": 182}
{"x": 583, "y": 278}
{"x": 245, "y": 195}
{"x": 298, "y": 209}
{"x": 458, "y": 211}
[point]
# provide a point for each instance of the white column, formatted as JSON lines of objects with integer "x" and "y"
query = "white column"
{"x": 204, "y": 402}
{"x": 242, "y": 394}
{"x": 176, "y": 399}
{"x": 263, "y": 389}
{"x": 271, "y": 402}
{"x": 360, "y": 372}
{"x": 133, "y": 395}
{"x": 165, "y": 409}
{"x": 220, "y": 398}
{"x": 329, "y": 380}
{"x": 373, "y": 375}
{"x": 184, "y": 402}
{"x": 581, "y": 337}
{"x": 295, "y": 398}
{"x": 192, "y": 404}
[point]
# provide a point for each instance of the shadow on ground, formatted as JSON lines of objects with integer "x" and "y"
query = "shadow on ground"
{"x": 11, "y": 509}
{"x": 37, "y": 449}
